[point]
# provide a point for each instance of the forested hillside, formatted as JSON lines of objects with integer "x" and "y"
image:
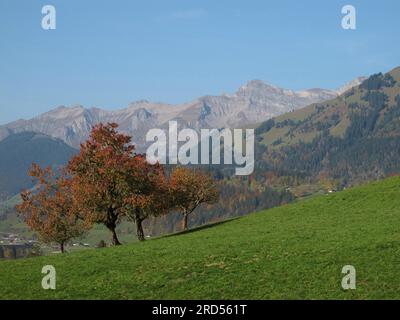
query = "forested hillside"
{"x": 345, "y": 141}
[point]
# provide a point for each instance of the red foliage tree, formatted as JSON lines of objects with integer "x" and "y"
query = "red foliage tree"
{"x": 48, "y": 209}
{"x": 111, "y": 182}
{"x": 99, "y": 172}
{"x": 189, "y": 189}
{"x": 148, "y": 193}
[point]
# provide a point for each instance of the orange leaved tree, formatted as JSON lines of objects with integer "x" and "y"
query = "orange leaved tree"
{"x": 100, "y": 181}
{"x": 189, "y": 189}
{"x": 48, "y": 208}
{"x": 148, "y": 193}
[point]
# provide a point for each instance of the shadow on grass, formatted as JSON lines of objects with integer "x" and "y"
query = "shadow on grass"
{"x": 203, "y": 227}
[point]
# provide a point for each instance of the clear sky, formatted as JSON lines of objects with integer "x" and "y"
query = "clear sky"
{"x": 110, "y": 53}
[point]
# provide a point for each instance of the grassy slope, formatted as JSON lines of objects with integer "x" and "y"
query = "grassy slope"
{"x": 338, "y": 105}
{"x": 295, "y": 251}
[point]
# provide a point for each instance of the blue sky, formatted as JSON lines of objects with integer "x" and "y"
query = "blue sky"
{"x": 109, "y": 53}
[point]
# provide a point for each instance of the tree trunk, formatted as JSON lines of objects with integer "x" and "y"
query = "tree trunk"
{"x": 185, "y": 222}
{"x": 139, "y": 230}
{"x": 115, "y": 240}
{"x": 62, "y": 247}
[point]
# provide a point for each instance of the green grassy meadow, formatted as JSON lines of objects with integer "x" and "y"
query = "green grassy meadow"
{"x": 295, "y": 251}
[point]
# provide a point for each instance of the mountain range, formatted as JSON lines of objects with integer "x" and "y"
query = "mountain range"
{"x": 340, "y": 138}
{"x": 252, "y": 103}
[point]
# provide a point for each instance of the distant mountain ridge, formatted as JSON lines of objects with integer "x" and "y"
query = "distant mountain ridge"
{"x": 354, "y": 83}
{"x": 252, "y": 103}
{"x": 19, "y": 151}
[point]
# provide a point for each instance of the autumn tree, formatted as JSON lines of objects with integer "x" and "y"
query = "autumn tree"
{"x": 190, "y": 189}
{"x": 48, "y": 208}
{"x": 148, "y": 193}
{"x": 100, "y": 184}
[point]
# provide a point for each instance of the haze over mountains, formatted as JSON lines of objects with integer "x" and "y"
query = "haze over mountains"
{"x": 252, "y": 103}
